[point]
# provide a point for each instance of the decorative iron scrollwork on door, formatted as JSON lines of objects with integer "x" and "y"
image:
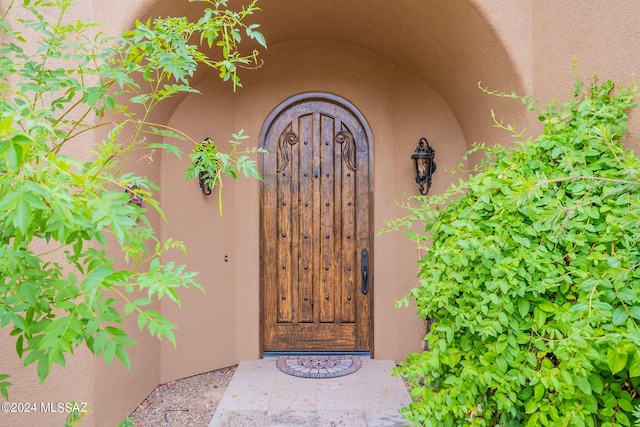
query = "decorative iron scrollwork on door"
{"x": 287, "y": 138}
{"x": 345, "y": 137}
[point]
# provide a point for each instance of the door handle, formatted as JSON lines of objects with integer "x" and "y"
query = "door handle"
{"x": 364, "y": 263}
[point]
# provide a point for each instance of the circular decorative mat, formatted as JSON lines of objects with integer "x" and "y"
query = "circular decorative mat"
{"x": 318, "y": 366}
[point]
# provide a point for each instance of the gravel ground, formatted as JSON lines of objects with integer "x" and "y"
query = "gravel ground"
{"x": 189, "y": 402}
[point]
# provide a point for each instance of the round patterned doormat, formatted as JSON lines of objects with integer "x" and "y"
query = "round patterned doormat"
{"x": 318, "y": 366}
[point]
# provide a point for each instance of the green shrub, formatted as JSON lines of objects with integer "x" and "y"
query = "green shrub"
{"x": 531, "y": 278}
{"x": 61, "y": 217}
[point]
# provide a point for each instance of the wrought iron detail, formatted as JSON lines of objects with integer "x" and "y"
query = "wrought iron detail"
{"x": 135, "y": 196}
{"x": 287, "y": 139}
{"x": 345, "y": 137}
{"x": 204, "y": 177}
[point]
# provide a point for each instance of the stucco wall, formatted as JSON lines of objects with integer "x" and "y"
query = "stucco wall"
{"x": 62, "y": 385}
{"x": 206, "y": 320}
{"x": 412, "y": 70}
{"x": 601, "y": 38}
{"x": 109, "y": 392}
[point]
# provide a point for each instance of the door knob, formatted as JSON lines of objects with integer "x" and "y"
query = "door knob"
{"x": 364, "y": 279}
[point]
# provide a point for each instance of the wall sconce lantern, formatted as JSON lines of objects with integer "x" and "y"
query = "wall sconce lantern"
{"x": 200, "y": 153}
{"x": 425, "y": 165}
{"x": 202, "y": 180}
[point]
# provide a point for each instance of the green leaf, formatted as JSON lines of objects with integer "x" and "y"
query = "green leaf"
{"x": 538, "y": 392}
{"x": 100, "y": 342}
{"x": 43, "y": 369}
{"x": 547, "y": 306}
{"x": 129, "y": 308}
{"x": 530, "y": 406}
{"x": 539, "y": 316}
{"x": 109, "y": 352}
{"x": 4, "y": 386}
{"x": 635, "y": 312}
{"x": 634, "y": 367}
{"x": 622, "y": 419}
{"x": 96, "y": 277}
{"x": 91, "y": 328}
{"x": 143, "y": 318}
{"x": 596, "y": 382}
{"x": 7, "y": 202}
{"x": 624, "y": 401}
{"x": 123, "y": 356}
{"x": 523, "y": 307}
{"x": 584, "y": 385}
{"x": 14, "y": 156}
{"x": 617, "y": 360}
{"x": 22, "y": 219}
{"x": 168, "y": 148}
{"x": 620, "y": 315}
{"x": 112, "y": 330}
{"x": 613, "y": 262}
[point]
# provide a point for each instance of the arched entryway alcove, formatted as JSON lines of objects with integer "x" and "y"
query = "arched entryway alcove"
{"x": 411, "y": 68}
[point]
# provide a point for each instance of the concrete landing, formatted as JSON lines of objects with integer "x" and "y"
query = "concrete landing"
{"x": 260, "y": 395}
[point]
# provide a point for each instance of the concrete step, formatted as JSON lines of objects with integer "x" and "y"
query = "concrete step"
{"x": 262, "y": 396}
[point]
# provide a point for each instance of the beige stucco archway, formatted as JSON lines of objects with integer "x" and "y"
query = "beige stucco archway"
{"x": 404, "y": 92}
{"x": 450, "y": 46}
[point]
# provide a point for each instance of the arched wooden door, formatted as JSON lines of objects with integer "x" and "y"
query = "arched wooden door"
{"x": 316, "y": 227}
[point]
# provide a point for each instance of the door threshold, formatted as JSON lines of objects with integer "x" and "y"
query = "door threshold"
{"x": 274, "y": 354}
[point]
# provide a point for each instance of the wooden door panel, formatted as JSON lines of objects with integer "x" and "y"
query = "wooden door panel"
{"x": 284, "y": 255}
{"x": 305, "y": 217}
{"x": 320, "y": 337}
{"x": 325, "y": 212}
{"x": 315, "y": 220}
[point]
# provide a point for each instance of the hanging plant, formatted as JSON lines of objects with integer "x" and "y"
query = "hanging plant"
{"x": 208, "y": 165}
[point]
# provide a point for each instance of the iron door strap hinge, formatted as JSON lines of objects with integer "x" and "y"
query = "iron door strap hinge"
{"x": 364, "y": 262}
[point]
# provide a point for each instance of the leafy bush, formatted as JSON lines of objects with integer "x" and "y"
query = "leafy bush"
{"x": 60, "y": 83}
{"x": 531, "y": 277}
